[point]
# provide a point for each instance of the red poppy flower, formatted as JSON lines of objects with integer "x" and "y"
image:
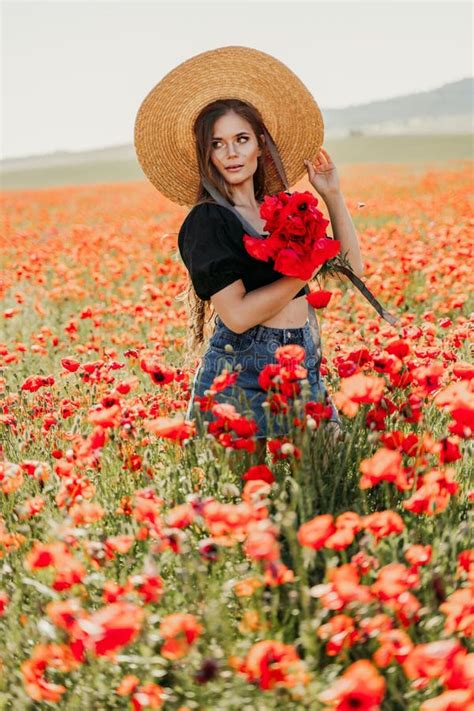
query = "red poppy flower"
{"x": 431, "y": 661}
{"x": 384, "y": 465}
{"x": 394, "y": 645}
{"x": 259, "y": 471}
{"x": 457, "y": 700}
{"x": 175, "y": 428}
{"x": 273, "y": 664}
{"x": 179, "y": 631}
{"x": 358, "y": 389}
{"x": 418, "y": 555}
{"x": 340, "y": 632}
{"x": 360, "y": 687}
{"x": 314, "y": 533}
{"x": 319, "y": 299}
{"x": 383, "y": 523}
{"x": 297, "y": 242}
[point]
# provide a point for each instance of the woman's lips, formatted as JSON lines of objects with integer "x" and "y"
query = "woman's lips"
{"x": 236, "y": 168}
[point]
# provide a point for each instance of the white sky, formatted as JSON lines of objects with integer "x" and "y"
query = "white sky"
{"x": 75, "y": 73}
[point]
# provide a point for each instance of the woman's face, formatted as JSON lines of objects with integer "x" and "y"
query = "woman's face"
{"x": 234, "y": 143}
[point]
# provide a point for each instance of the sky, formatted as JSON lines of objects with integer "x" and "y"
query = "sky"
{"x": 74, "y": 73}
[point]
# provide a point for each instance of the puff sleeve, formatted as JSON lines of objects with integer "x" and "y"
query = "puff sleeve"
{"x": 207, "y": 250}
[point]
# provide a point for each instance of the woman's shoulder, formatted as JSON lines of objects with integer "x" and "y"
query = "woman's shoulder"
{"x": 210, "y": 209}
{"x": 209, "y": 214}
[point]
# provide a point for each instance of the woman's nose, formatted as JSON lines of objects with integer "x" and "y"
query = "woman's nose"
{"x": 231, "y": 151}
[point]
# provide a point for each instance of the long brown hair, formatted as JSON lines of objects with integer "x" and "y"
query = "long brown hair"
{"x": 201, "y": 312}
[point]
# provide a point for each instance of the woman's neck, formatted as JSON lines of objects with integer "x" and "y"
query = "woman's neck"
{"x": 246, "y": 206}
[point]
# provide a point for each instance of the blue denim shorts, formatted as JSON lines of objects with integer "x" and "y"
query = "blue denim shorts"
{"x": 252, "y": 350}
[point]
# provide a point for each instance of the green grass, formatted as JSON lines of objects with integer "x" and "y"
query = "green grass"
{"x": 429, "y": 149}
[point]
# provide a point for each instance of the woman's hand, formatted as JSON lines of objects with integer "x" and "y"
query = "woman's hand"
{"x": 323, "y": 175}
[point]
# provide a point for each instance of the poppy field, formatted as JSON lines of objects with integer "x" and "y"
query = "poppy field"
{"x": 143, "y": 566}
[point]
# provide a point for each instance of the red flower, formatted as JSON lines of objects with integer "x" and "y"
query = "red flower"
{"x": 385, "y": 465}
{"x": 179, "y": 631}
{"x": 398, "y": 347}
{"x": 399, "y": 441}
{"x": 319, "y": 299}
{"x": 273, "y": 664}
{"x": 149, "y": 586}
{"x": 175, "y": 428}
{"x": 4, "y": 600}
{"x": 459, "y": 611}
{"x": 56, "y": 656}
{"x": 347, "y": 525}
{"x": 360, "y": 687}
{"x": 35, "y": 382}
{"x": 277, "y": 573}
{"x": 431, "y": 661}
{"x": 383, "y": 523}
{"x": 457, "y": 700}
{"x": 111, "y": 627}
{"x": 434, "y": 493}
{"x": 259, "y": 471}
{"x": 418, "y": 555}
{"x": 428, "y": 377}
{"x": 343, "y": 587}
{"x": 297, "y": 242}
{"x": 231, "y": 428}
{"x": 148, "y": 696}
{"x": 180, "y": 516}
{"x": 393, "y": 580}
{"x": 358, "y": 389}
{"x": 314, "y": 533}
{"x": 262, "y": 545}
{"x": 394, "y": 645}
{"x": 463, "y": 370}
{"x": 448, "y": 450}
{"x": 340, "y": 632}
{"x": 70, "y": 364}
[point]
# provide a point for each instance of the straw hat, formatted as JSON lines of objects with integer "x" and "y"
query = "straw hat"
{"x": 163, "y": 135}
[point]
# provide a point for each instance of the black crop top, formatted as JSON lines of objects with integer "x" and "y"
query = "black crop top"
{"x": 210, "y": 243}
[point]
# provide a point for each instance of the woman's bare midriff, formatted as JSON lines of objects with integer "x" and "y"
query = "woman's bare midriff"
{"x": 293, "y": 315}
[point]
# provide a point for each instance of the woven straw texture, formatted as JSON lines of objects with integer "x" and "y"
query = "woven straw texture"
{"x": 163, "y": 132}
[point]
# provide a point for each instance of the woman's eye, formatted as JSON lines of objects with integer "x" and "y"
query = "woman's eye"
{"x": 214, "y": 143}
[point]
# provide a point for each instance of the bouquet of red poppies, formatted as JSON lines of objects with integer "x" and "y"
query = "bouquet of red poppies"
{"x": 297, "y": 242}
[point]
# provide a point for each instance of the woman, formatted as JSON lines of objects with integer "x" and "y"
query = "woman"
{"x": 256, "y": 308}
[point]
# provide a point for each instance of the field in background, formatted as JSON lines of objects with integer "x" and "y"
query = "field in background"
{"x": 139, "y": 568}
{"x": 105, "y": 167}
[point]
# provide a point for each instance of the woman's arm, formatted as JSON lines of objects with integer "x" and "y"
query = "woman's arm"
{"x": 241, "y": 310}
{"x": 324, "y": 177}
{"x": 344, "y": 231}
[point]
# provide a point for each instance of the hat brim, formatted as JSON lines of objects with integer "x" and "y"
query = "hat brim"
{"x": 163, "y": 133}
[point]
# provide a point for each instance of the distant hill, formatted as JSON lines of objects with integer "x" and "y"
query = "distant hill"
{"x": 445, "y": 110}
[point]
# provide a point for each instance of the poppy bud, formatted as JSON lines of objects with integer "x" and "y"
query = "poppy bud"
{"x": 208, "y": 550}
{"x": 208, "y": 671}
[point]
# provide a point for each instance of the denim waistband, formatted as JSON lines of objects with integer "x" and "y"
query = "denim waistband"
{"x": 263, "y": 333}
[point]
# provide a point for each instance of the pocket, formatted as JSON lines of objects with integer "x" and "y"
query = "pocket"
{"x": 226, "y": 341}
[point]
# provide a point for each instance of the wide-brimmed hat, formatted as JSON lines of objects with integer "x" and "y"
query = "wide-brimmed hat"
{"x": 164, "y": 139}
